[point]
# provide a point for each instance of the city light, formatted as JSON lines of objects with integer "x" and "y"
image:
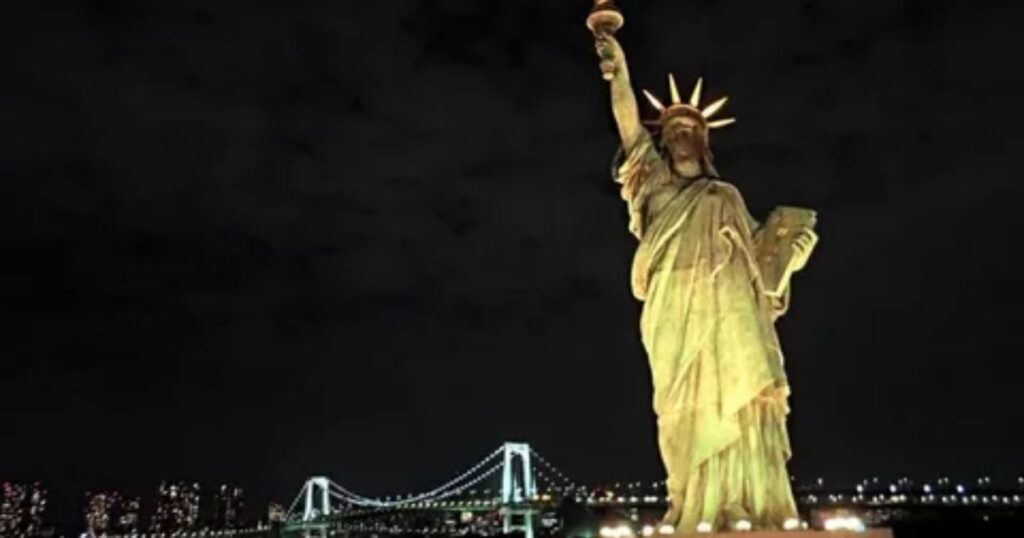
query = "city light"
{"x": 791, "y": 524}
{"x": 853, "y": 524}
{"x": 648, "y": 530}
{"x": 618, "y": 531}
{"x": 704, "y": 526}
{"x": 666, "y": 529}
{"x": 743, "y": 525}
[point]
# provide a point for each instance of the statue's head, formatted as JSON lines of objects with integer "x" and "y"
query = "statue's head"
{"x": 685, "y": 142}
{"x": 684, "y": 130}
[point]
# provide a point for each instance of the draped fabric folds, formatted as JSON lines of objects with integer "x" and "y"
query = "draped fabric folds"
{"x": 720, "y": 391}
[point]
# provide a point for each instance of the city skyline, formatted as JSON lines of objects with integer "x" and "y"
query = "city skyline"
{"x": 204, "y": 513}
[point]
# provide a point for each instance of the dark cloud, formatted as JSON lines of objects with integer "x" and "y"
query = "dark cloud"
{"x": 374, "y": 240}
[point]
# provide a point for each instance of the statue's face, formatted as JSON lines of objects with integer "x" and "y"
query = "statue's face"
{"x": 684, "y": 139}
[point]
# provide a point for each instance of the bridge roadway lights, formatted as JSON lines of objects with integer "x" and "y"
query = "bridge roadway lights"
{"x": 315, "y": 531}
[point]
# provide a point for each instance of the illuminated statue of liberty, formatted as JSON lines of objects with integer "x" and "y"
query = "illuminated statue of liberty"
{"x": 713, "y": 282}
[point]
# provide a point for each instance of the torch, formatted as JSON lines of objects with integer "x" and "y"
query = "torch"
{"x": 605, "y": 19}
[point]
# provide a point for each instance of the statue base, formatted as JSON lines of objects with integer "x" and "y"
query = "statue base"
{"x": 869, "y": 533}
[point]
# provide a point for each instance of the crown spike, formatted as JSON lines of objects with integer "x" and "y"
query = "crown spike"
{"x": 713, "y": 107}
{"x": 674, "y": 89}
{"x": 721, "y": 123}
{"x": 654, "y": 101}
{"x": 695, "y": 96}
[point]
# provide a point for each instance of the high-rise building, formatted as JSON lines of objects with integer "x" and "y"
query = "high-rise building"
{"x": 275, "y": 512}
{"x": 35, "y": 519}
{"x": 177, "y": 507}
{"x": 190, "y": 501}
{"x": 23, "y": 509}
{"x": 12, "y": 509}
{"x": 98, "y": 508}
{"x": 159, "y": 519}
{"x": 127, "y": 515}
{"x": 227, "y": 507}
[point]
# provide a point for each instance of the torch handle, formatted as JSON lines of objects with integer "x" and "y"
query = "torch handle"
{"x": 605, "y": 19}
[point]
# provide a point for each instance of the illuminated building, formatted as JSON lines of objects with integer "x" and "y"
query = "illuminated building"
{"x": 227, "y": 507}
{"x": 98, "y": 508}
{"x": 177, "y": 507}
{"x": 128, "y": 510}
{"x": 36, "y": 512}
{"x": 12, "y": 513}
{"x": 23, "y": 510}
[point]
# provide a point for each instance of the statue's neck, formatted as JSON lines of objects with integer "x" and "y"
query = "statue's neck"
{"x": 686, "y": 177}
{"x": 690, "y": 169}
{"x": 684, "y": 183}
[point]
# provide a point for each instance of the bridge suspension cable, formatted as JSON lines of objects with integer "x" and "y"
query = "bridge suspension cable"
{"x": 422, "y": 498}
{"x": 455, "y": 485}
{"x": 567, "y": 482}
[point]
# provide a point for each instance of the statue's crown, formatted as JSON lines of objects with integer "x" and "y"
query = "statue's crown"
{"x": 680, "y": 109}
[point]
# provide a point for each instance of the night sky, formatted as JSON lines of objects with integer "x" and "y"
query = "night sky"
{"x": 374, "y": 240}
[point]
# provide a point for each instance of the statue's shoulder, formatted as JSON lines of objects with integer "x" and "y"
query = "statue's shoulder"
{"x": 722, "y": 184}
{"x": 724, "y": 193}
{"x": 718, "y": 187}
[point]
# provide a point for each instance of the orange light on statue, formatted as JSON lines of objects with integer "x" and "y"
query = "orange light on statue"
{"x": 605, "y": 17}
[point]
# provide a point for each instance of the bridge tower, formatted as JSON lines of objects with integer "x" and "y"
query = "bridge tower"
{"x": 321, "y": 485}
{"x": 518, "y": 489}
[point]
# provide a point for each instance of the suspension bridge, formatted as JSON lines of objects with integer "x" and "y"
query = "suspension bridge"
{"x": 510, "y": 487}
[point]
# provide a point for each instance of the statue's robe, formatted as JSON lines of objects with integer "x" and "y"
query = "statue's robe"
{"x": 720, "y": 391}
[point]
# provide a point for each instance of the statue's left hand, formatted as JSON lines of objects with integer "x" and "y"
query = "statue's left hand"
{"x": 803, "y": 244}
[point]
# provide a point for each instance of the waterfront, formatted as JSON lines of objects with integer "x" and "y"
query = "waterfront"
{"x": 978, "y": 507}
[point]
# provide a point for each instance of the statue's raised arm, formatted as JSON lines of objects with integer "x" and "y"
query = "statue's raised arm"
{"x": 604, "y": 20}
